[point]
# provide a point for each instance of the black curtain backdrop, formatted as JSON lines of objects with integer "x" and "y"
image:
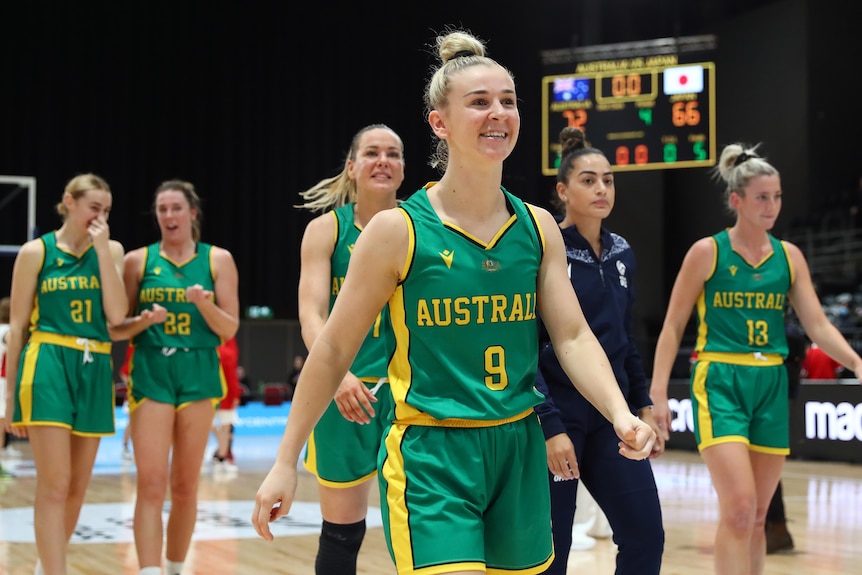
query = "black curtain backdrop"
{"x": 255, "y": 101}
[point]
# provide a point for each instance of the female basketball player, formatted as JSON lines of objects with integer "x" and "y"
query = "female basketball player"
{"x": 66, "y": 290}
{"x": 464, "y": 266}
{"x": 185, "y": 295}
{"x": 741, "y": 280}
{"x": 342, "y": 454}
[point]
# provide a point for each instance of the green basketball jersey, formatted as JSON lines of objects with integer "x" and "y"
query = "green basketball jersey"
{"x": 741, "y": 308}
{"x": 164, "y": 282}
{"x": 464, "y": 318}
{"x": 373, "y": 356}
{"x": 69, "y": 293}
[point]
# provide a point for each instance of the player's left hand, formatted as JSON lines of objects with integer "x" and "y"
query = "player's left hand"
{"x": 197, "y": 294}
{"x": 354, "y": 399}
{"x": 562, "y": 460}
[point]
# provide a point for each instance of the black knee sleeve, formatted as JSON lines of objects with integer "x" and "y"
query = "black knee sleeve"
{"x": 339, "y": 548}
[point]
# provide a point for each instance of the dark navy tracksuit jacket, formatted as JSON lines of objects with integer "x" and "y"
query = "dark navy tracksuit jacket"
{"x": 624, "y": 489}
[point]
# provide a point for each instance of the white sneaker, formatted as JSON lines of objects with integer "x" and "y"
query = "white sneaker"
{"x": 600, "y": 528}
{"x": 225, "y": 466}
{"x": 127, "y": 455}
{"x": 12, "y": 451}
{"x": 580, "y": 540}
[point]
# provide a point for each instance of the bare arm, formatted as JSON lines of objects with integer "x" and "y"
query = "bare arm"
{"x": 580, "y": 353}
{"x": 353, "y": 398}
{"x": 114, "y": 293}
{"x": 110, "y": 256}
{"x": 221, "y": 315}
{"x": 132, "y": 268}
{"x": 696, "y": 268}
{"x": 318, "y": 243}
{"x": 25, "y": 276}
{"x": 372, "y": 277}
{"x": 817, "y": 326}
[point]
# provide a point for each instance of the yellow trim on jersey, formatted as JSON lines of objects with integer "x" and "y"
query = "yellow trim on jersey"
{"x": 185, "y": 263}
{"x": 35, "y": 314}
{"x": 506, "y": 226}
{"x": 496, "y": 239}
{"x": 396, "y": 487}
{"x": 754, "y": 359}
{"x": 700, "y": 305}
{"x": 698, "y": 389}
{"x": 714, "y": 259}
{"x": 212, "y": 269}
{"x": 335, "y": 234}
{"x": 428, "y": 421}
{"x": 143, "y": 269}
{"x": 724, "y": 439}
{"x": 71, "y": 341}
{"x": 69, "y": 252}
{"x": 310, "y": 464}
{"x": 702, "y": 328}
{"x": 539, "y": 230}
{"x": 769, "y": 450}
{"x": 400, "y": 362}
{"x": 25, "y": 382}
{"x": 411, "y": 246}
{"x": 790, "y": 267}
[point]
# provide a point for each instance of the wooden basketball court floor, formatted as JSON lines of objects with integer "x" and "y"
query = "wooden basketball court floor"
{"x": 823, "y": 500}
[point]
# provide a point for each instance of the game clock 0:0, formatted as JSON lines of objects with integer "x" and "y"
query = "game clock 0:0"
{"x": 643, "y": 118}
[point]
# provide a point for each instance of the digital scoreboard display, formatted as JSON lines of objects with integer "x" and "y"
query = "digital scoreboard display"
{"x": 644, "y": 113}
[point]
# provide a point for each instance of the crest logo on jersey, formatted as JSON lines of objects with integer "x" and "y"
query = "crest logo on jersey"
{"x": 733, "y": 270}
{"x": 447, "y": 257}
{"x": 60, "y": 262}
{"x": 490, "y": 265}
{"x": 157, "y": 270}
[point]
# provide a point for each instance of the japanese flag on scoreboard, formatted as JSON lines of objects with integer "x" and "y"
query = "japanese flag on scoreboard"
{"x": 683, "y": 80}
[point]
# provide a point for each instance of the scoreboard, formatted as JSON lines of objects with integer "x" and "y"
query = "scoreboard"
{"x": 644, "y": 113}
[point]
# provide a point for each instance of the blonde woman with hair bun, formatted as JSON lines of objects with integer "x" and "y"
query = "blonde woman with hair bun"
{"x": 741, "y": 281}
{"x": 462, "y": 266}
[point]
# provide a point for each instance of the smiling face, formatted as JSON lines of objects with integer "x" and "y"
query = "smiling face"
{"x": 481, "y": 121}
{"x": 88, "y": 206}
{"x": 589, "y": 192}
{"x": 760, "y": 202}
{"x": 378, "y": 163}
{"x": 175, "y": 215}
